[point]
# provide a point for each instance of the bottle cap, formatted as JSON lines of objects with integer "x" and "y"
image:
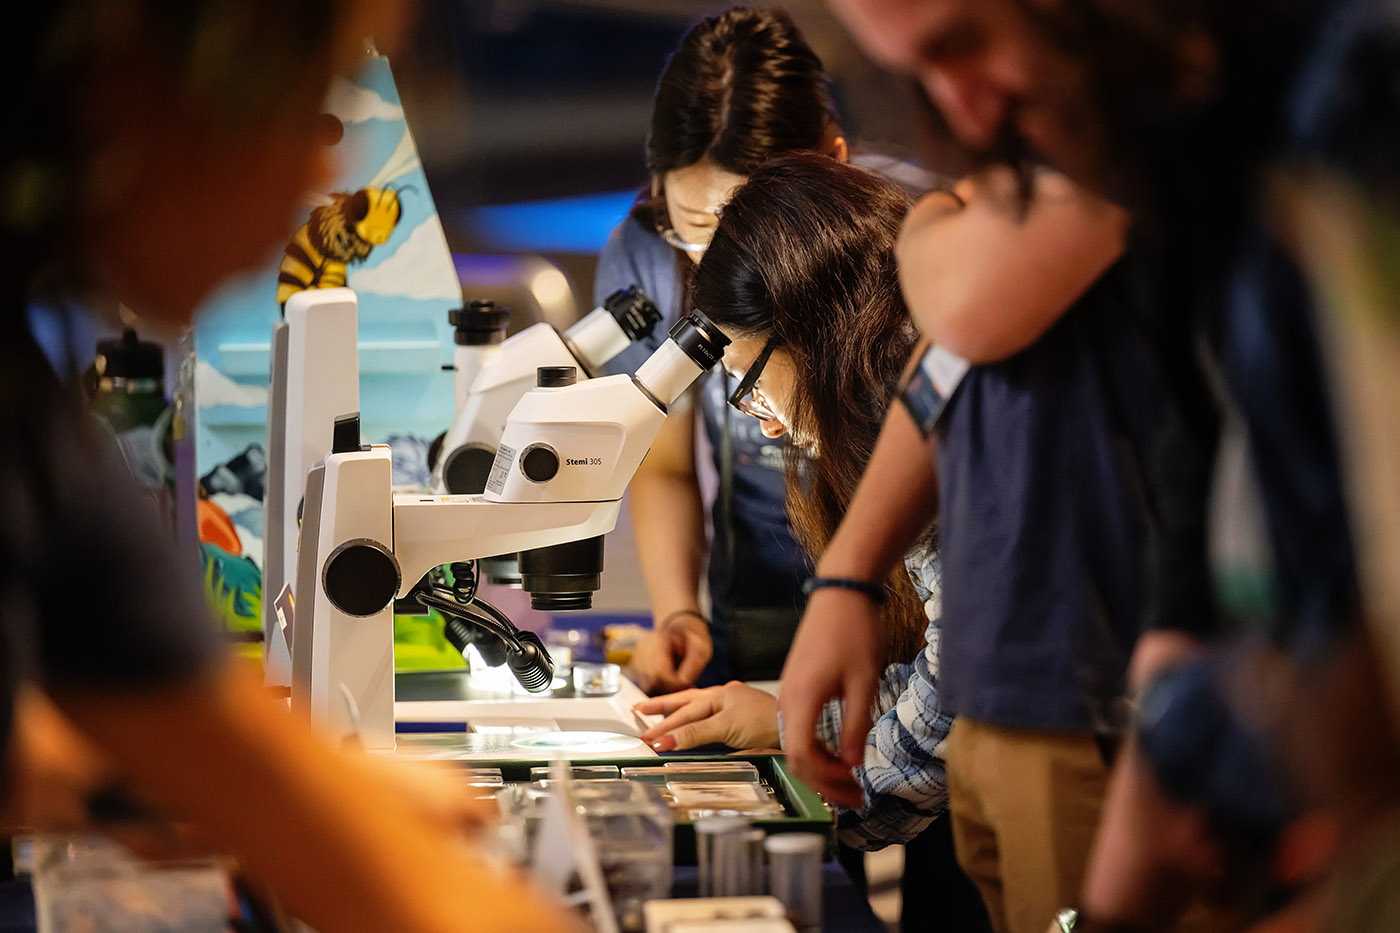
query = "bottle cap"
{"x": 129, "y": 357}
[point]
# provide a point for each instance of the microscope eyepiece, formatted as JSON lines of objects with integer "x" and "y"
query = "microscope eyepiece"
{"x": 554, "y": 377}
{"x": 478, "y": 324}
{"x": 701, "y": 340}
{"x": 634, "y": 312}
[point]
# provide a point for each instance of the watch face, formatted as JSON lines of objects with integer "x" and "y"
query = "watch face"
{"x": 929, "y": 387}
{"x": 922, "y": 401}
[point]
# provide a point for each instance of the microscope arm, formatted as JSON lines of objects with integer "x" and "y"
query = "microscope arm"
{"x": 433, "y": 530}
{"x": 565, "y": 458}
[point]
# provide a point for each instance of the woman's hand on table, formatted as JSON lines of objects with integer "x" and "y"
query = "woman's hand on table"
{"x": 734, "y": 714}
{"x": 672, "y": 657}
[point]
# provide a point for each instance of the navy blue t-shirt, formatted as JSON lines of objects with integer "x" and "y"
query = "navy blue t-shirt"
{"x": 754, "y": 561}
{"x": 1044, "y": 522}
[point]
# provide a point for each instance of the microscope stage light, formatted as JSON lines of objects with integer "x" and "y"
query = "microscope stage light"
{"x": 578, "y": 741}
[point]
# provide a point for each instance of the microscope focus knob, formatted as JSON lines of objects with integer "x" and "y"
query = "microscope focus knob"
{"x": 361, "y": 577}
{"x": 466, "y": 469}
{"x": 539, "y": 463}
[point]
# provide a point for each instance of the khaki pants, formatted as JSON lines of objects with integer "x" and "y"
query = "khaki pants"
{"x": 1025, "y": 805}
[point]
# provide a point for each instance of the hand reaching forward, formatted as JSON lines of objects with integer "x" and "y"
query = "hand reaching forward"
{"x": 672, "y": 657}
{"x": 837, "y": 653}
{"x": 735, "y": 714}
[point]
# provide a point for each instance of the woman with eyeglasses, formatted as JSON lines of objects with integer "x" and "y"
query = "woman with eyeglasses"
{"x": 801, "y": 274}
{"x": 742, "y": 87}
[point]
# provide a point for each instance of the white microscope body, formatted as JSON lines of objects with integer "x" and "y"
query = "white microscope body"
{"x": 501, "y": 373}
{"x": 564, "y": 461}
{"x": 310, "y": 385}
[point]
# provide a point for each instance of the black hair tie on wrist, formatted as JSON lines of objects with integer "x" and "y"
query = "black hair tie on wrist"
{"x": 676, "y": 615}
{"x": 875, "y": 591}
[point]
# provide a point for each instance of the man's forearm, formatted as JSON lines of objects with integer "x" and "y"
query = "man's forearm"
{"x": 896, "y": 500}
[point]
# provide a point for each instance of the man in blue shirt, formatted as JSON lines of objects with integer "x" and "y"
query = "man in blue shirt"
{"x": 1179, "y": 110}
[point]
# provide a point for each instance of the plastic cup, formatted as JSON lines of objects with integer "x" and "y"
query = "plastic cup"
{"x": 795, "y": 876}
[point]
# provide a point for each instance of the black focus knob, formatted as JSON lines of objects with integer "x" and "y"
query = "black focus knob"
{"x": 555, "y": 377}
{"x": 360, "y": 577}
{"x": 539, "y": 463}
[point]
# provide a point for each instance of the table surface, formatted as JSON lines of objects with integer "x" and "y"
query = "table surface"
{"x": 844, "y": 910}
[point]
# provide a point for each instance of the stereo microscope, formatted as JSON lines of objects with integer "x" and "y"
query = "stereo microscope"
{"x": 555, "y": 485}
{"x": 493, "y": 372}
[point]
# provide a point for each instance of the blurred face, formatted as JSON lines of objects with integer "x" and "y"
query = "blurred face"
{"x": 206, "y": 206}
{"x": 773, "y": 391}
{"x": 988, "y": 70}
{"x": 694, "y": 196}
{"x": 184, "y": 198}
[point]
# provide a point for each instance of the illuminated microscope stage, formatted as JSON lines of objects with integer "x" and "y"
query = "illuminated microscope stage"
{"x": 513, "y": 725}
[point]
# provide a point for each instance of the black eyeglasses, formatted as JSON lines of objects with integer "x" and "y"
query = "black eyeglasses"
{"x": 746, "y": 396}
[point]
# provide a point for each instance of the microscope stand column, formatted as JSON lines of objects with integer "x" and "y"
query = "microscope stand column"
{"x": 353, "y": 631}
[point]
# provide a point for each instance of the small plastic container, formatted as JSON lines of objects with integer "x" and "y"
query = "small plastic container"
{"x": 580, "y": 773}
{"x": 577, "y": 644}
{"x": 88, "y": 883}
{"x": 596, "y": 680}
{"x": 633, "y": 832}
{"x": 795, "y": 876}
{"x": 727, "y": 858}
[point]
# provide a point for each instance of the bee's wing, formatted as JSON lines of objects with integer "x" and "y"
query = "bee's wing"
{"x": 403, "y": 160}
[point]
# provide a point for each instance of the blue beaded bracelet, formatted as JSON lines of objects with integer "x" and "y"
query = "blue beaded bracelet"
{"x": 875, "y": 591}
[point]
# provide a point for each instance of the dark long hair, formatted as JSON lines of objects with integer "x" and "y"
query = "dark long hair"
{"x": 743, "y": 86}
{"x": 804, "y": 253}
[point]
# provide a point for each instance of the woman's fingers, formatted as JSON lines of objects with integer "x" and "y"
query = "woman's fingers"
{"x": 667, "y": 703}
{"x": 700, "y": 707}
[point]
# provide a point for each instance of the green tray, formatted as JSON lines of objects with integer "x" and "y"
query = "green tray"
{"x": 806, "y": 811}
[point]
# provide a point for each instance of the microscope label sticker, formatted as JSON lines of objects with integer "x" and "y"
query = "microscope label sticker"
{"x": 583, "y": 461}
{"x": 505, "y": 456}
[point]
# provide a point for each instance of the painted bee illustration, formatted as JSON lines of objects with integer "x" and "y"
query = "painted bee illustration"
{"x": 337, "y": 234}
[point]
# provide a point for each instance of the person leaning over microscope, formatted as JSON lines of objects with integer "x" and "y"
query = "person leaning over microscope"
{"x": 743, "y": 87}
{"x": 801, "y": 274}
{"x": 145, "y": 127}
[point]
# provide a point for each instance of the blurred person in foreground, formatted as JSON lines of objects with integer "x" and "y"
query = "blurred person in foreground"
{"x": 1181, "y": 110}
{"x": 161, "y": 146}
